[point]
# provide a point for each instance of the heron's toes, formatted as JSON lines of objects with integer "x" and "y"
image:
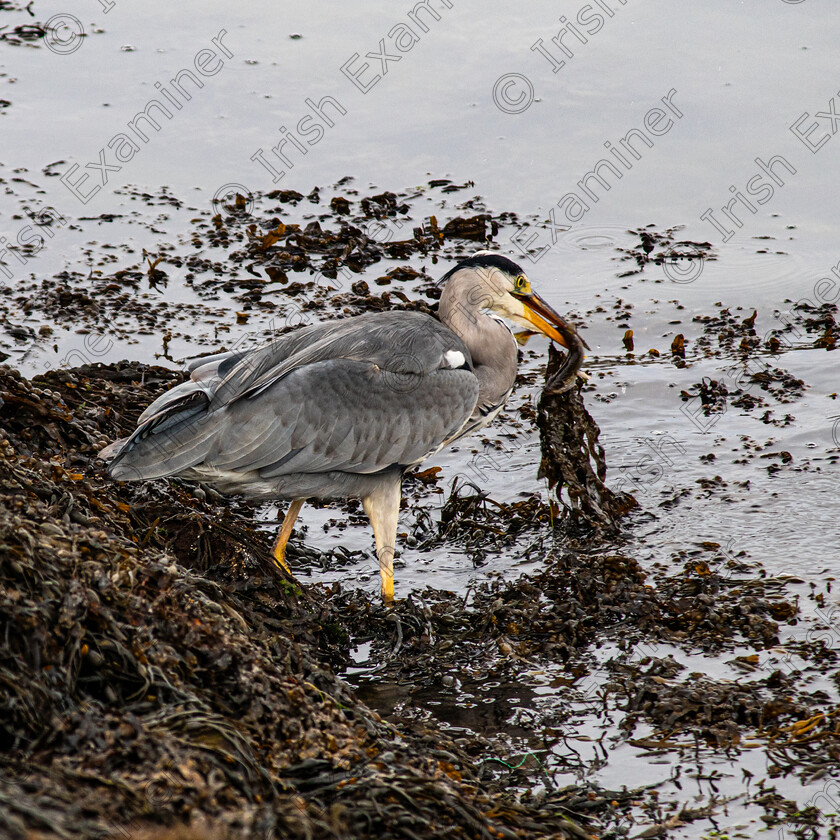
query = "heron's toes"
{"x": 280, "y": 562}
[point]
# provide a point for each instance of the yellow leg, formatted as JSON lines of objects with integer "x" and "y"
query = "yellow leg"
{"x": 285, "y": 533}
{"x": 382, "y": 508}
{"x": 386, "y": 573}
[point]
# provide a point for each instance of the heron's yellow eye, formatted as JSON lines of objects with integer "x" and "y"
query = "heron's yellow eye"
{"x": 521, "y": 283}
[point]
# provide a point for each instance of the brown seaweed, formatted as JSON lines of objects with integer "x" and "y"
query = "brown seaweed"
{"x": 573, "y": 460}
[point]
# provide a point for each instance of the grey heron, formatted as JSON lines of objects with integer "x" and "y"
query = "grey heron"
{"x": 343, "y": 408}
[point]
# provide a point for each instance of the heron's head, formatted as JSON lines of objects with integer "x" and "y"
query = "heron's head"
{"x": 490, "y": 281}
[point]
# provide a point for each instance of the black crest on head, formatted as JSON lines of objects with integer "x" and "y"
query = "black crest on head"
{"x": 485, "y": 260}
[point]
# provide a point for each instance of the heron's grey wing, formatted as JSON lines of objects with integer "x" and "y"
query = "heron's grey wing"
{"x": 391, "y": 339}
{"x": 358, "y": 395}
{"x": 170, "y": 398}
{"x": 335, "y": 415}
{"x": 214, "y": 360}
{"x": 207, "y": 373}
{"x": 363, "y": 394}
{"x": 344, "y": 415}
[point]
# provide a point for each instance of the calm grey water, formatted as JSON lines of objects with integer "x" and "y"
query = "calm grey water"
{"x": 484, "y": 94}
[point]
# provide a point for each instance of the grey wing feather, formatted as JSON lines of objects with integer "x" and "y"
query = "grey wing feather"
{"x": 358, "y": 395}
{"x": 213, "y": 360}
{"x": 395, "y": 340}
{"x": 228, "y": 369}
{"x": 343, "y": 415}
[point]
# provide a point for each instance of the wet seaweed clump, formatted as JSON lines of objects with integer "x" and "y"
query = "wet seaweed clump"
{"x": 573, "y": 461}
{"x": 664, "y": 249}
{"x": 744, "y": 382}
{"x": 23, "y": 33}
{"x": 820, "y": 319}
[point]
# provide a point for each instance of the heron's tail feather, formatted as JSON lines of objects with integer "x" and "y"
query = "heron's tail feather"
{"x": 174, "y": 439}
{"x": 112, "y": 449}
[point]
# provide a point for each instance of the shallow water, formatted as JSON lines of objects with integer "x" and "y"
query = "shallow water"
{"x": 742, "y": 75}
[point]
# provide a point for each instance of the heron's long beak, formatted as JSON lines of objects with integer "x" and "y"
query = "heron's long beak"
{"x": 548, "y": 322}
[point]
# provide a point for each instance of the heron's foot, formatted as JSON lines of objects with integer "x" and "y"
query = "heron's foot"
{"x": 280, "y": 558}
{"x": 285, "y": 534}
{"x": 388, "y": 587}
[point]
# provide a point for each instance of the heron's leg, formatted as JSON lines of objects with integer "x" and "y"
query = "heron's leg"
{"x": 383, "y": 508}
{"x": 285, "y": 533}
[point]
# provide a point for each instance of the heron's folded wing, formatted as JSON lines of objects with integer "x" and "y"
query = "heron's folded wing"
{"x": 392, "y": 340}
{"x": 344, "y": 415}
{"x": 208, "y": 373}
{"x": 358, "y": 395}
